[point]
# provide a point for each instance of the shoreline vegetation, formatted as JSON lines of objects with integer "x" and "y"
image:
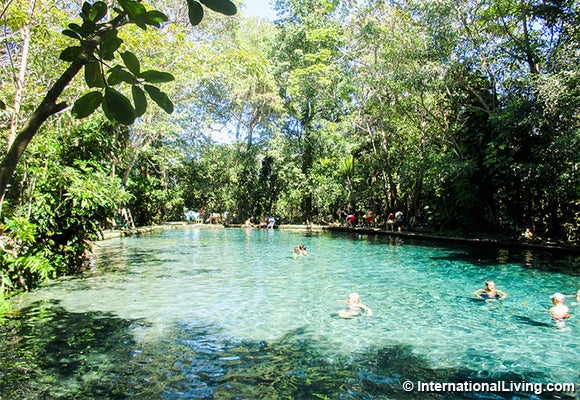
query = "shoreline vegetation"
{"x": 477, "y": 239}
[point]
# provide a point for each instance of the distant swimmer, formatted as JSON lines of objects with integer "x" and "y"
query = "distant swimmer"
{"x": 490, "y": 292}
{"x": 299, "y": 250}
{"x": 354, "y": 307}
{"x": 576, "y": 297}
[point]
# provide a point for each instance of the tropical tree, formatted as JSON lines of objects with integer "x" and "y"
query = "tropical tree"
{"x": 311, "y": 79}
{"x": 98, "y": 46}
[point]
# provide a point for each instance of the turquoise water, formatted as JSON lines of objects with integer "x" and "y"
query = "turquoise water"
{"x": 228, "y": 313}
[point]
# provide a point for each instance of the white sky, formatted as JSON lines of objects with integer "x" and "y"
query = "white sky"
{"x": 258, "y": 8}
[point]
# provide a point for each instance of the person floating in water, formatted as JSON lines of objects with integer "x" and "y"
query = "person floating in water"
{"x": 299, "y": 250}
{"x": 559, "y": 311}
{"x": 354, "y": 307}
{"x": 490, "y": 292}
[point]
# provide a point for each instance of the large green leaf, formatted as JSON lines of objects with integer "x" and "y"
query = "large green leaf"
{"x": 160, "y": 98}
{"x": 133, "y": 8}
{"x": 86, "y": 9}
{"x": 117, "y": 107}
{"x": 140, "y": 100}
{"x": 87, "y": 104}
{"x": 118, "y": 74}
{"x": 88, "y": 28}
{"x": 194, "y": 12}
{"x": 152, "y": 17}
{"x": 72, "y": 34}
{"x": 74, "y": 27}
{"x": 71, "y": 53}
{"x": 153, "y": 76}
{"x": 131, "y": 62}
{"x": 109, "y": 44}
{"x": 156, "y": 16}
{"x": 225, "y": 7}
{"x": 93, "y": 75}
{"x": 97, "y": 11}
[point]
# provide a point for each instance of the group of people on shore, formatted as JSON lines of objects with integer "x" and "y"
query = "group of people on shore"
{"x": 394, "y": 221}
{"x": 201, "y": 217}
{"x": 559, "y": 311}
{"x": 264, "y": 223}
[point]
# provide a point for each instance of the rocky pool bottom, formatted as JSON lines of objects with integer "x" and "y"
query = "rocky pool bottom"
{"x": 49, "y": 353}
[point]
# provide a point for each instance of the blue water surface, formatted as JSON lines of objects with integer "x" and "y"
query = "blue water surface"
{"x": 232, "y": 297}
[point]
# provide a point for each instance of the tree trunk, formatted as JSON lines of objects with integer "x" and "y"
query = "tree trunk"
{"x": 47, "y": 108}
{"x": 528, "y": 48}
{"x": 20, "y": 79}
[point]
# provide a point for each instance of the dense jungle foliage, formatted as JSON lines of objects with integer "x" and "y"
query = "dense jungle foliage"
{"x": 462, "y": 114}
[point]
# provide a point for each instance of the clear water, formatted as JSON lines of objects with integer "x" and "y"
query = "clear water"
{"x": 228, "y": 313}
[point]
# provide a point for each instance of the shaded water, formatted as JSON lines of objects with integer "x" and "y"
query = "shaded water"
{"x": 230, "y": 314}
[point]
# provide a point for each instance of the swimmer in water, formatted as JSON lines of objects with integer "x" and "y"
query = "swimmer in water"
{"x": 354, "y": 307}
{"x": 299, "y": 250}
{"x": 490, "y": 292}
{"x": 559, "y": 311}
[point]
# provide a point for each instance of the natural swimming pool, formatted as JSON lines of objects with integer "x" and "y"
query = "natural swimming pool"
{"x": 228, "y": 313}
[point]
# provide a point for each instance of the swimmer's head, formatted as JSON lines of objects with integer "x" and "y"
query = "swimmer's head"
{"x": 558, "y": 297}
{"x": 490, "y": 284}
{"x": 353, "y": 298}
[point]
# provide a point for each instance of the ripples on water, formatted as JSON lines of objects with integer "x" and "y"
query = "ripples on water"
{"x": 230, "y": 314}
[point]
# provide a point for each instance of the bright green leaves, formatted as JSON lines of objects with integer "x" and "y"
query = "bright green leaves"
{"x": 195, "y": 10}
{"x": 138, "y": 14}
{"x": 99, "y": 43}
{"x": 116, "y": 106}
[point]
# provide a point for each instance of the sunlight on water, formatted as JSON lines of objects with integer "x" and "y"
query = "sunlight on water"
{"x": 247, "y": 283}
